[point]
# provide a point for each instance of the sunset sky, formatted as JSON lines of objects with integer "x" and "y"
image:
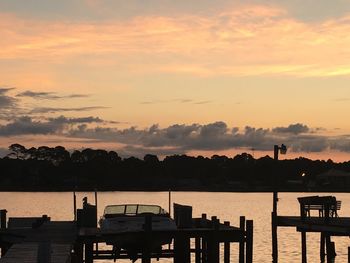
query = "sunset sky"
{"x": 172, "y": 77}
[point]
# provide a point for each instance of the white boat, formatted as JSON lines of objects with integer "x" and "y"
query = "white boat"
{"x": 131, "y": 218}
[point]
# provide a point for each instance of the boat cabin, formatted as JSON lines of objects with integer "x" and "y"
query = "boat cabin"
{"x": 133, "y": 210}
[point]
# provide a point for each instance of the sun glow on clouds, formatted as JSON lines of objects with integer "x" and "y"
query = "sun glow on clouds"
{"x": 244, "y": 41}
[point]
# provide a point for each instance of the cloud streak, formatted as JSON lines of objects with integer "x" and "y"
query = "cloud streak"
{"x": 43, "y": 110}
{"x": 245, "y": 41}
{"x": 182, "y": 101}
{"x": 49, "y": 95}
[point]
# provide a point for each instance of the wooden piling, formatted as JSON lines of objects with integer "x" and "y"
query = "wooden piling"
{"x": 348, "y": 254}
{"x": 3, "y": 225}
{"x": 146, "y": 253}
{"x": 182, "y": 249}
{"x": 328, "y": 248}
{"x": 333, "y": 253}
{"x": 169, "y": 200}
{"x": 204, "y": 250}
{"x": 89, "y": 255}
{"x": 274, "y": 237}
{"x": 275, "y": 200}
{"x": 75, "y": 206}
{"x": 227, "y": 247}
{"x": 183, "y": 215}
{"x": 303, "y": 247}
{"x": 146, "y": 256}
{"x": 213, "y": 244}
{"x": 241, "y": 243}
{"x": 78, "y": 252}
{"x": 44, "y": 252}
{"x": 249, "y": 241}
{"x": 197, "y": 246}
{"x": 3, "y": 213}
{"x": 322, "y": 247}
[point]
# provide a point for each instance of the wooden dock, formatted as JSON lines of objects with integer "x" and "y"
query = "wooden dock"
{"x": 324, "y": 224}
{"x": 195, "y": 238}
{"x": 33, "y": 240}
{"x": 40, "y": 240}
{"x": 29, "y": 252}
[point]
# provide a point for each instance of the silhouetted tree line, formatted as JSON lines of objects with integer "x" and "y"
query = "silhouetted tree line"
{"x": 56, "y": 169}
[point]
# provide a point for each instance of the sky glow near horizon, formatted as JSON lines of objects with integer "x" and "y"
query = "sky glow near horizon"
{"x": 173, "y": 77}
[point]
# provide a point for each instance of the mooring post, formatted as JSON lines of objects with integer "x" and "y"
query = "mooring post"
{"x": 348, "y": 254}
{"x": 3, "y": 213}
{"x": 197, "y": 245}
{"x": 227, "y": 246}
{"x": 275, "y": 200}
{"x": 333, "y": 253}
{"x": 303, "y": 247}
{"x": 89, "y": 254}
{"x": 204, "y": 249}
{"x": 169, "y": 200}
{"x": 204, "y": 240}
{"x": 274, "y": 237}
{"x": 75, "y": 206}
{"x": 213, "y": 244}
{"x": 182, "y": 248}
{"x": 78, "y": 252}
{"x": 146, "y": 253}
{"x": 203, "y": 219}
{"x": 146, "y": 257}
{"x": 328, "y": 248}
{"x": 322, "y": 247}
{"x": 3, "y": 225}
{"x": 249, "y": 241}
{"x": 242, "y": 242}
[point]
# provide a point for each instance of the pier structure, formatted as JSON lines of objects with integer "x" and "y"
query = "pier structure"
{"x": 318, "y": 214}
{"x": 36, "y": 239}
{"x": 195, "y": 240}
{"x": 198, "y": 240}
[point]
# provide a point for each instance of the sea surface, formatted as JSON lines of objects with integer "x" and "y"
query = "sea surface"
{"x": 226, "y": 206}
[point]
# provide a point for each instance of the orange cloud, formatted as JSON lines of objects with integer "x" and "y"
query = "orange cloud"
{"x": 247, "y": 40}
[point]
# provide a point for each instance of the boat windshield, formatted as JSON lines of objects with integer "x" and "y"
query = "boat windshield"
{"x": 133, "y": 209}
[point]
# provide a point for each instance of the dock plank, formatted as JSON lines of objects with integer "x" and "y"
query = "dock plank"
{"x": 28, "y": 253}
{"x": 335, "y": 226}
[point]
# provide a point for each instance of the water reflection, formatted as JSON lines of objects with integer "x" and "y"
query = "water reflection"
{"x": 227, "y": 206}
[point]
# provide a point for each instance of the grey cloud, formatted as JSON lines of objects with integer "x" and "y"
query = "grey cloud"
{"x": 292, "y": 128}
{"x": 53, "y": 109}
{"x": 215, "y": 136}
{"x": 180, "y": 138}
{"x": 65, "y": 120}
{"x": 5, "y": 90}
{"x": 309, "y": 143}
{"x": 5, "y": 100}
{"x": 48, "y": 95}
{"x": 26, "y": 125}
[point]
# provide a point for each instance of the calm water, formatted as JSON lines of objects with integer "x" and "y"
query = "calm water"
{"x": 227, "y": 206}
